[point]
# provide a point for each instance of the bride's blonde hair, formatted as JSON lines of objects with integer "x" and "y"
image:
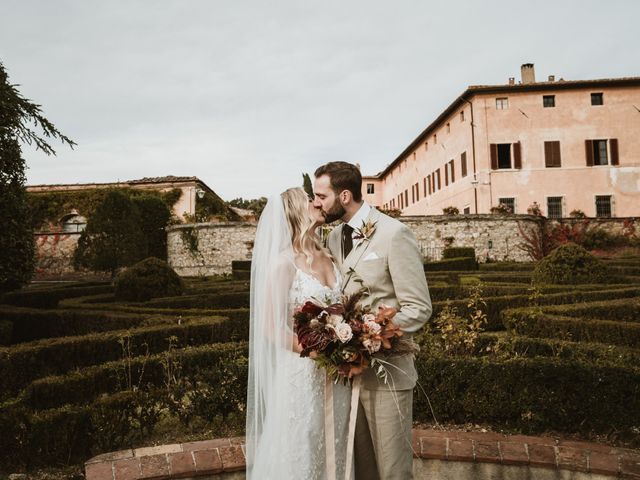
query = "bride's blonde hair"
{"x": 303, "y": 236}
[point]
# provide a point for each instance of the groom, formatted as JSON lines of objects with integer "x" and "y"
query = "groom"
{"x": 378, "y": 252}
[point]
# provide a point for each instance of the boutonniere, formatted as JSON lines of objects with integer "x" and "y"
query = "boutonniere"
{"x": 366, "y": 231}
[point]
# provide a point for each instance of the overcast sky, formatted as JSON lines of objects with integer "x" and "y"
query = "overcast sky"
{"x": 246, "y": 95}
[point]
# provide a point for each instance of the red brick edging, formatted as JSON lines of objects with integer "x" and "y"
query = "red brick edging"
{"x": 210, "y": 457}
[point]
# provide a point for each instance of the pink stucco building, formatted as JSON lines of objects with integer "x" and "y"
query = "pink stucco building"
{"x": 567, "y": 145}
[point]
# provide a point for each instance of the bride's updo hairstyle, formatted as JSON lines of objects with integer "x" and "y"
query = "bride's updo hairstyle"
{"x": 296, "y": 209}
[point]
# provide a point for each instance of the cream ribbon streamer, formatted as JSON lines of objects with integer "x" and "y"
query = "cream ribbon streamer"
{"x": 329, "y": 426}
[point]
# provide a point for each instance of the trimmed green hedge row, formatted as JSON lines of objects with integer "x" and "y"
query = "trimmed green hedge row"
{"x": 531, "y": 322}
{"x": 462, "y": 263}
{"x": 530, "y": 395}
{"x": 22, "y": 364}
{"x": 458, "y": 252}
{"x": 625, "y": 310}
{"x": 49, "y": 298}
{"x": 504, "y": 345}
{"x": 216, "y": 376}
{"x": 507, "y": 267}
{"x": 34, "y": 324}
{"x": 495, "y": 305}
{"x": 216, "y": 301}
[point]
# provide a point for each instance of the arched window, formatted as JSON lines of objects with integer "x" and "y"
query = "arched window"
{"x": 73, "y": 222}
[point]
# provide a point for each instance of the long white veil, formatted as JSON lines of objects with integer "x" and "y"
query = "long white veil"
{"x": 271, "y": 340}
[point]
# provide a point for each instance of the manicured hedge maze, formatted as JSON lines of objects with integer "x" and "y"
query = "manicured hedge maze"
{"x": 83, "y": 374}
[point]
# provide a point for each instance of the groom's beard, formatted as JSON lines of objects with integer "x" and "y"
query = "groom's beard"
{"x": 336, "y": 212}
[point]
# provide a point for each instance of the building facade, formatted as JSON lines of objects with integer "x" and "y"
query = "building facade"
{"x": 565, "y": 145}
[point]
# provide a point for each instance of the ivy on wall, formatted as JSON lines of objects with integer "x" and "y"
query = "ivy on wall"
{"x": 47, "y": 207}
{"x": 211, "y": 206}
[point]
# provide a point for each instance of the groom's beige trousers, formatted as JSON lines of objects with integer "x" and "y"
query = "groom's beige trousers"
{"x": 383, "y": 448}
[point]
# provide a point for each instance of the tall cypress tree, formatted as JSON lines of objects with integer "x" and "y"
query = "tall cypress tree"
{"x": 16, "y": 236}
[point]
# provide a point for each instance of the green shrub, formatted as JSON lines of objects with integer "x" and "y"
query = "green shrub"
{"x": 29, "y": 324}
{"x": 24, "y": 363}
{"x": 569, "y": 264}
{"x": 6, "y": 332}
{"x": 148, "y": 279}
{"x": 154, "y": 217}
{"x": 113, "y": 238}
{"x": 532, "y": 323}
{"x": 49, "y": 297}
{"x": 459, "y": 252}
{"x": 531, "y": 395}
{"x": 458, "y": 264}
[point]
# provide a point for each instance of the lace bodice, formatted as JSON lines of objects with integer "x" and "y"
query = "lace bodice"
{"x": 306, "y": 286}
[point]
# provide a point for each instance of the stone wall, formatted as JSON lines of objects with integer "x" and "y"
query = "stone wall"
{"x": 208, "y": 249}
{"x": 494, "y": 238}
{"x": 54, "y": 254}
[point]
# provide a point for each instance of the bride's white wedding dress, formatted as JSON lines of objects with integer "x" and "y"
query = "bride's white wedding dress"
{"x": 305, "y": 456}
{"x": 286, "y": 410}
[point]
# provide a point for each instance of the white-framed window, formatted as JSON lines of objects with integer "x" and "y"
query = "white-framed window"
{"x": 509, "y": 202}
{"x": 502, "y": 103}
{"x": 604, "y": 206}
{"x": 555, "y": 207}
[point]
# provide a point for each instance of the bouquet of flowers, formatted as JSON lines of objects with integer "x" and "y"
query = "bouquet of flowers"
{"x": 345, "y": 338}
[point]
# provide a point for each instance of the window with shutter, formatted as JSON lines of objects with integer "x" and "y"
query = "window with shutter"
{"x": 503, "y": 155}
{"x": 517, "y": 156}
{"x": 599, "y": 152}
{"x": 446, "y": 174}
{"x": 588, "y": 147}
{"x": 417, "y": 192}
{"x": 552, "y": 154}
{"x": 439, "y": 183}
{"x": 453, "y": 174}
{"x": 463, "y": 164}
{"x": 493, "y": 150}
{"x": 613, "y": 146}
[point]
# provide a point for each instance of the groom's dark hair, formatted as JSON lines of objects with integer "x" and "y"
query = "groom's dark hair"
{"x": 343, "y": 176}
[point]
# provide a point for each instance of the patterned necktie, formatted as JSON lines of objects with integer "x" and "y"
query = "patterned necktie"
{"x": 347, "y": 240}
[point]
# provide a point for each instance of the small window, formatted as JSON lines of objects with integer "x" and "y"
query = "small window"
{"x": 554, "y": 207}
{"x": 452, "y": 171}
{"x": 552, "y": 154}
{"x": 439, "y": 182}
{"x": 600, "y": 156}
{"x": 597, "y": 99}
{"x": 406, "y": 197}
{"x": 467, "y": 210}
{"x": 417, "y": 187}
{"x": 603, "y": 205}
{"x": 370, "y": 188}
{"x": 435, "y": 138}
{"x": 462, "y": 116}
{"x": 424, "y": 187}
{"x": 502, "y": 103}
{"x": 429, "y": 184}
{"x": 463, "y": 164}
{"x": 504, "y": 155}
{"x": 448, "y": 127}
{"x": 510, "y": 203}
{"x": 548, "y": 101}
{"x": 426, "y": 146}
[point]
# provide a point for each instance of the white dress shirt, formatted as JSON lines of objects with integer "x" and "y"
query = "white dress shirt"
{"x": 357, "y": 220}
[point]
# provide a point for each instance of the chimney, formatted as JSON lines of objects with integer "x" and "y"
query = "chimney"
{"x": 512, "y": 81}
{"x": 527, "y": 73}
{"x": 552, "y": 78}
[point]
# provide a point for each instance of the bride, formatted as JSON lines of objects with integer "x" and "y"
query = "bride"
{"x": 297, "y": 421}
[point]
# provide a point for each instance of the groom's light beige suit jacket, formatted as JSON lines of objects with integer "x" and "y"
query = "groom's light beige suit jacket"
{"x": 390, "y": 265}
